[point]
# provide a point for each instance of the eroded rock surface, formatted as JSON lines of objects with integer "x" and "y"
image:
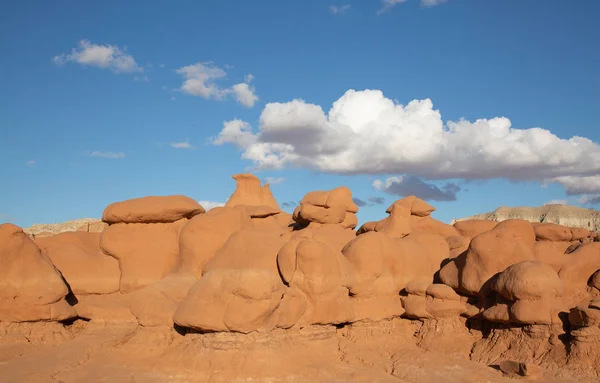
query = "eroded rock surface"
{"x": 162, "y": 291}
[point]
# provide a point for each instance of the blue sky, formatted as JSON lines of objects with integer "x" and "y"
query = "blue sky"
{"x": 106, "y": 101}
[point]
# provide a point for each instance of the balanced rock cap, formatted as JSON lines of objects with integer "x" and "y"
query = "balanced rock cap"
{"x": 152, "y": 209}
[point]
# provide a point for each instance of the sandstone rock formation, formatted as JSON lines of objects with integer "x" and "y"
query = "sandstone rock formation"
{"x": 234, "y": 293}
{"x": 31, "y": 289}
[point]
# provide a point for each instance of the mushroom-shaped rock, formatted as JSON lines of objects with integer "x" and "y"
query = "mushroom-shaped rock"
{"x": 473, "y": 227}
{"x": 203, "y": 235}
{"x": 552, "y": 232}
{"x": 146, "y": 251}
{"x": 78, "y": 257}
{"x": 489, "y": 253}
{"x": 397, "y": 224}
{"x": 328, "y": 207}
{"x": 338, "y": 197}
{"x": 31, "y": 288}
{"x": 415, "y": 206}
{"x": 248, "y": 192}
{"x": 152, "y": 209}
{"x": 323, "y": 275}
{"x": 529, "y": 280}
{"x": 529, "y": 292}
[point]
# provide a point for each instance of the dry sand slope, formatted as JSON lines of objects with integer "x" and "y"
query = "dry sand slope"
{"x": 164, "y": 291}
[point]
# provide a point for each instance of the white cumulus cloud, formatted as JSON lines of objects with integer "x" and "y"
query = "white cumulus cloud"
{"x": 201, "y": 79}
{"x": 366, "y": 133}
{"x": 102, "y": 56}
{"x": 245, "y": 93}
{"x": 207, "y": 205}
{"x": 236, "y": 132}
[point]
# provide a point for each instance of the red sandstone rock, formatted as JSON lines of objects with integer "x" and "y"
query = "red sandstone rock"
{"x": 582, "y": 264}
{"x": 202, "y": 236}
{"x": 77, "y": 255}
{"x": 152, "y": 209}
{"x": 491, "y": 252}
{"x": 248, "y": 192}
{"x": 415, "y": 206}
{"x": 30, "y": 286}
{"x": 473, "y": 227}
{"x": 146, "y": 251}
{"x": 552, "y": 232}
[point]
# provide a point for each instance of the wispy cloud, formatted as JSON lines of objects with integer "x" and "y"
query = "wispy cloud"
{"x": 590, "y": 199}
{"x": 181, "y": 145}
{"x": 102, "y": 56}
{"x": 377, "y": 200}
{"x": 370, "y": 202}
{"x": 432, "y": 3}
{"x": 386, "y": 5}
{"x": 30, "y": 163}
{"x": 274, "y": 180}
{"x": 338, "y": 10}
{"x": 112, "y": 155}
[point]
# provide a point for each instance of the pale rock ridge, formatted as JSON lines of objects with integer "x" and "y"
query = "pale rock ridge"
{"x": 570, "y": 216}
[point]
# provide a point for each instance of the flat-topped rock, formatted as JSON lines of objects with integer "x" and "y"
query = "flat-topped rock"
{"x": 152, "y": 209}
